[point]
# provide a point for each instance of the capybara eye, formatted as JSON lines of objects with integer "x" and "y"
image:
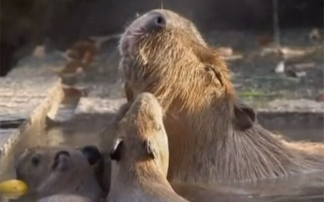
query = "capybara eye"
{"x": 35, "y": 160}
{"x": 115, "y": 153}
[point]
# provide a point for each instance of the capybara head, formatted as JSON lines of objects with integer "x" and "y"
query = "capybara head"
{"x": 141, "y": 136}
{"x": 161, "y": 47}
{"x": 161, "y": 27}
{"x": 51, "y": 170}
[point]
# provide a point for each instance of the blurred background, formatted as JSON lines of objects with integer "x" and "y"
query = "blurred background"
{"x": 247, "y": 31}
{"x": 65, "y": 21}
{"x": 274, "y": 48}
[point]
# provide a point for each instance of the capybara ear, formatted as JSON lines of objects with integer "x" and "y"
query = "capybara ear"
{"x": 211, "y": 69}
{"x": 149, "y": 149}
{"x": 244, "y": 116}
{"x": 92, "y": 153}
{"x": 115, "y": 153}
{"x": 61, "y": 160}
{"x": 210, "y": 59}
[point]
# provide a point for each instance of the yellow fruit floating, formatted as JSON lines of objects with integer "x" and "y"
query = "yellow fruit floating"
{"x": 13, "y": 188}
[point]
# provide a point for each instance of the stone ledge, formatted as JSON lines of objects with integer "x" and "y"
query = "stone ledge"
{"x": 300, "y": 106}
{"x": 295, "y": 106}
{"x": 304, "y": 113}
{"x": 49, "y": 95}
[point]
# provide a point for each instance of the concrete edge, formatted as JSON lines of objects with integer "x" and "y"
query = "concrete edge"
{"x": 86, "y": 103}
{"x": 292, "y": 119}
{"x": 48, "y": 106}
{"x": 280, "y": 116}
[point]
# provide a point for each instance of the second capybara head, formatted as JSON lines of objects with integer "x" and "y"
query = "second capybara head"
{"x": 141, "y": 135}
{"x": 52, "y": 170}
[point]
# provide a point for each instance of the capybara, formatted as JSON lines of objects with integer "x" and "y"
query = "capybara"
{"x": 213, "y": 136}
{"x": 140, "y": 155}
{"x": 60, "y": 170}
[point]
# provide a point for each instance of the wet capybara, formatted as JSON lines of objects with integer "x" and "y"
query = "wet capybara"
{"x": 140, "y": 155}
{"x": 60, "y": 170}
{"x": 213, "y": 136}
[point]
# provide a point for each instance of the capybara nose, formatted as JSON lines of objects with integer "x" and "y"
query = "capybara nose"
{"x": 156, "y": 21}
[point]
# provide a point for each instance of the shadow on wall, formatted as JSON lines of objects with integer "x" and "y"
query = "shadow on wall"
{"x": 65, "y": 21}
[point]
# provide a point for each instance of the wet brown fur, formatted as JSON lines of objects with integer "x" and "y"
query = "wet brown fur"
{"x": 213, "y": 137}
{"x": 141, "y": 155}
{"x": 47, "y": 173}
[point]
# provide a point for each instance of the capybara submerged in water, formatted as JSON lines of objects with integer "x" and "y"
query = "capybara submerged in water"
{"x": 213, "y": 137}
{"x": 140, "y": 156}
{"x": 60, "y": 170}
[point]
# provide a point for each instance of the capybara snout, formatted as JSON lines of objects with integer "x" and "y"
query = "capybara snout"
{"x": 153, "y": 21}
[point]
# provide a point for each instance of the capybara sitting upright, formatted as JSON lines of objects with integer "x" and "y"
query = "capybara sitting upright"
{"x": 62, "y": 170}
{"x": 140, "y": 156}
{"x": 213, "y": 137}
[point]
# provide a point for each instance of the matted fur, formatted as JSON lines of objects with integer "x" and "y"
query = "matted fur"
{"x": 213, "y": 137}
{"x": 140, "y": 155}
